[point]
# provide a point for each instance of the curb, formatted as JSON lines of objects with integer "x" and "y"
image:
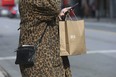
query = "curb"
{"x": 3, "y": 72}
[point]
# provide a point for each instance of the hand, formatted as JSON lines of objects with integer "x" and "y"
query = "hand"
{"x": 63, "y": 12}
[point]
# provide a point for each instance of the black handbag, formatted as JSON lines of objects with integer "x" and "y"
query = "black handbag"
{"x": 25, "y": 54}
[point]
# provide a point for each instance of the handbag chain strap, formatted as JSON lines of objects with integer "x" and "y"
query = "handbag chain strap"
{"x": 40, "y": 39}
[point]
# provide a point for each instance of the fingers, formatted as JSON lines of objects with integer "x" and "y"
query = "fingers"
{"x": 64, "y": 12}
{"x": 59, "y": 17}
{"x": 68, "y": 8}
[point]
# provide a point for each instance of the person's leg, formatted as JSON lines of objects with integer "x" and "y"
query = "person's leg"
{"x": 66, "y": 66}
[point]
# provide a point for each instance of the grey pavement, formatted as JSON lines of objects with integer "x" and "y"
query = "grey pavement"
{"x": 101, "y": 20}
{"x": 93, "y": 64}
{"x": 3, "y": 72}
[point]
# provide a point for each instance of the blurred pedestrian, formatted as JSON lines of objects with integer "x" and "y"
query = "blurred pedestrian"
{"x": 36, "y": 15}
{"x": 93, "y": 8}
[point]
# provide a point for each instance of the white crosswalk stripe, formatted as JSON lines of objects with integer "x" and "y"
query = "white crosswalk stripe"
{"x": 88, "y": 52}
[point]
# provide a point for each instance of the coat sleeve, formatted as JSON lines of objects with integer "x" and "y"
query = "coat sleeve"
{"x": 53, "y": 6}
{"x": 47, "y": 10}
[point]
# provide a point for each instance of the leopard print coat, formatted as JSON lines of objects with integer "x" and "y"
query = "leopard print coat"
{"x": 36, "y": 15}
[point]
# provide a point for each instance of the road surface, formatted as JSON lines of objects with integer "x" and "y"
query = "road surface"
{"x": 100, "y": 60}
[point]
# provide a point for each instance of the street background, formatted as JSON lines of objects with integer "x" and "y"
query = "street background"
{"x": 100, "y": 60}
{"x": 100, "y": 37}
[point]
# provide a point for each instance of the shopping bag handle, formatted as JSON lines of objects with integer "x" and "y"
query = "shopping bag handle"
{"x": 68, "y": 15}
{"x": 71, "y": 10}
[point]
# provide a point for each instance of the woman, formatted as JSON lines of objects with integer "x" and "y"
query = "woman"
{"x": 36, "y": 15}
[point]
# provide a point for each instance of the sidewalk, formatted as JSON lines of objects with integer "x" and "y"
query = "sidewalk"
{"x": 102, "y": 20}
{"x": 3, "y": 73}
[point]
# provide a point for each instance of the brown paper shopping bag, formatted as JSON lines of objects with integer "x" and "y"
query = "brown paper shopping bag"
{"x": 72, "y": 37}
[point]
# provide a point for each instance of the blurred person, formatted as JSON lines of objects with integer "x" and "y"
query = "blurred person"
{"x": 86, "y": 9}
{"x": 36, "y": 16}
{"x": 93, "y": 10}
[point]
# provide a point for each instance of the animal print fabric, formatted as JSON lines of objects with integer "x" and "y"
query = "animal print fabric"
{"x": 35, "y": 16}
